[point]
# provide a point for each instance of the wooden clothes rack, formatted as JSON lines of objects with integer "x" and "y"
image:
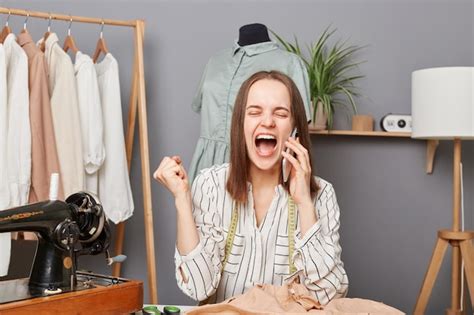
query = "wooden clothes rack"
{"x": 137, "y": 102}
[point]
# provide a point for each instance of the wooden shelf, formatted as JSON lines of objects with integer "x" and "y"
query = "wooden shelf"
{"x": 431, "y": 145}
{"x": 360, "y": 133}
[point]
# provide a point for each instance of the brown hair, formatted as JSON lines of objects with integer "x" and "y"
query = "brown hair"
{"x": 239, "y": 160}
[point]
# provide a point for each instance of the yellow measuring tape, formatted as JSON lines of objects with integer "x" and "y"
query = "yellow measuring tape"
{"x": 230, "y": 235}
{"x": 291, "y": 233}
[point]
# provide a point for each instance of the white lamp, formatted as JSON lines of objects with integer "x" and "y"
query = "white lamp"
{"x": 443, "y": 108}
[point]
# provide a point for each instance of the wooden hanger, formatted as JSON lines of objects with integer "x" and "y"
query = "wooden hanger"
{"x": 101, "y": 46}
{"x": 69, "y": 42}
{"x": 6, "y": 30}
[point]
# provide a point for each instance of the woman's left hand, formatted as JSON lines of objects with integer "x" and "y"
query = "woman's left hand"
{"x": 300, "y": 174}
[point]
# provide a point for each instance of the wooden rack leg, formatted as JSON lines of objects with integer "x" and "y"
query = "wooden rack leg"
{"x": 468, "y": 258}
{"x": 146, "y": 177}
{"x": 132, "y": 114}
{"x": 431, "y": 274}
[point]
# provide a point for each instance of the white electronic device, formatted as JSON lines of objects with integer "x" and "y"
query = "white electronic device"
{"x": 396, "y": 123}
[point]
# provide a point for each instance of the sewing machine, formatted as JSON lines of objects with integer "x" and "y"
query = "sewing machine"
{"x": 65, "y": 231}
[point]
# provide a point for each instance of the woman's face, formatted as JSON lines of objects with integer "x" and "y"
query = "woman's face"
{"x": 267, "y": 123}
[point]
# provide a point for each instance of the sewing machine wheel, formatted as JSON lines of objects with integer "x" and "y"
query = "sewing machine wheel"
{"x": 66, "y": 234}
{"x": 90, "y": 219}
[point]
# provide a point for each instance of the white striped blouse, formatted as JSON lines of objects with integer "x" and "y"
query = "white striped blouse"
{"x": 259, "y": 254}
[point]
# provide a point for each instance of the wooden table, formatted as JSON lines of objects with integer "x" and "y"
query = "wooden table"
{"x": 124, "y": 297}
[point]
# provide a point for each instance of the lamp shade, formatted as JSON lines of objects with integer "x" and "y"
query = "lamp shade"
{"x": 442, "y": 103}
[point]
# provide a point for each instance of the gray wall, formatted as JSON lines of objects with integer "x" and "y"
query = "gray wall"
{"x": 391, "y": 209}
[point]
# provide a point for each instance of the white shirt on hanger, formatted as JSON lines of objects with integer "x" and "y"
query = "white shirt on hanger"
{"x": 19, "y": 131}
{"x": 66, "y": 118}
{"x": 115, "y": 192}
{"x": 5, "y": 239}
{"x": 93, "y": 150}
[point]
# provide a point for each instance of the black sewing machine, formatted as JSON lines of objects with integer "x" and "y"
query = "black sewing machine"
{"x": 65, "y": 231}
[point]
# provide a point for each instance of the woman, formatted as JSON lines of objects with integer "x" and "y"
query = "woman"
{"x": 233, "y": 226}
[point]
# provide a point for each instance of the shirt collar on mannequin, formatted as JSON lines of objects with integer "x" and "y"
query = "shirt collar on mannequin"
{"x": 255, "y": 49}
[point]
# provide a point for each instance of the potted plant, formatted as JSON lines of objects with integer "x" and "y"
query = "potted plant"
{"x": 331, "y": 81}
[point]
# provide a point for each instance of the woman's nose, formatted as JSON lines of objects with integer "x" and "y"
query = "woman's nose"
{"x": 268, "y": 120}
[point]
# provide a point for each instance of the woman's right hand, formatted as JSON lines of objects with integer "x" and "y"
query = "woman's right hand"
{"x": 172, "y": 175}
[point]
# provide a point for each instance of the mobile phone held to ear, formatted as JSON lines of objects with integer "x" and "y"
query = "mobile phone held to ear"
{"x": 285, "y": 165}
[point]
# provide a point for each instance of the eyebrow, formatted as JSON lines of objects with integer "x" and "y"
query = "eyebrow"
{"x": 260, "y": 107}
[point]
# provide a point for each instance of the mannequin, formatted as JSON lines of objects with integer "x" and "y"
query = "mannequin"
{"x": 224, "y": 74}
{"x": 253, "y": 34}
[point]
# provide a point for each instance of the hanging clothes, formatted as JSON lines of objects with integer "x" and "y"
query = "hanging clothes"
{"x": 93, "y": 150}
{"x": 115, "y": 192}
{"x": 19, "y": 131}
{"x": 224, "y": 74}
{"x": 66, "y": 118}
{"x": 4, "y": 191}
{"x": 44, "y": 158}
{"x": 5, "y": 238}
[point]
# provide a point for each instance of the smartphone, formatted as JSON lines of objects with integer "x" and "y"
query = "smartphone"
{"x": 285, "y": 165}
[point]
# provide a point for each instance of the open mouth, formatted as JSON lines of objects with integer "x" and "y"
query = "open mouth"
{"x": 265, "y": 144}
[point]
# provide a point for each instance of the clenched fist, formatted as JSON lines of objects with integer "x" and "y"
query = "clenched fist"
{"x": 172, "y": 175}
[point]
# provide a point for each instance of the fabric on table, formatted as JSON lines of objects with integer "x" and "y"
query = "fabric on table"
{"x": 292, "y": 298}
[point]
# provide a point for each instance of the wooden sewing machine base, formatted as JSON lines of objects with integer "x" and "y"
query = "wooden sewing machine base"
{"x": 460, "y": 241}
{"x": 117, "y": 296}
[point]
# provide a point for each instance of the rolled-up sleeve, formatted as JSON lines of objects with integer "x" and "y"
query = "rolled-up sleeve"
{"x": 198, "y": 273}
{"x": 318, "y": 253}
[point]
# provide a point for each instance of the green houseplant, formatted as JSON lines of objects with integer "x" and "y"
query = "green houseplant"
{"x": 330, "y": 69}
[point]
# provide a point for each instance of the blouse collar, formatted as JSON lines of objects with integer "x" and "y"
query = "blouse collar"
{"x": 255, "y": 49}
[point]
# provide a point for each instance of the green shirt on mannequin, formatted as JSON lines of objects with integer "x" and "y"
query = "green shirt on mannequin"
{"x": 224, "y": 74}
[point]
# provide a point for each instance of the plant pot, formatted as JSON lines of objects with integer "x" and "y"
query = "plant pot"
{"x": 321, "y": 121}
{"x": 362, "y": 123}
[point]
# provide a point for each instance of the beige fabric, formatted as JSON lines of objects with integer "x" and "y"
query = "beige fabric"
{"x": 292, "y": 299}
{"x": 66, "y": 118}
{"x": 44, "y": 159}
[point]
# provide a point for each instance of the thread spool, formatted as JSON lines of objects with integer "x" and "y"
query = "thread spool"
{"x": 53, "y": 186}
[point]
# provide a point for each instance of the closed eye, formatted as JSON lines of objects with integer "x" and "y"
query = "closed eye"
{"x": 253, "y": 112}
{"x": 282, "y": 114}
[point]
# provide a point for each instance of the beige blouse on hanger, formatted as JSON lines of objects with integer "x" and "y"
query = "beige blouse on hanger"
{"x": 66, "y": 118}
{"x": 44, "y": 158}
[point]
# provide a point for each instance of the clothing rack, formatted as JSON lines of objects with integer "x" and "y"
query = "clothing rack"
{"x": 137, "y": 102}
